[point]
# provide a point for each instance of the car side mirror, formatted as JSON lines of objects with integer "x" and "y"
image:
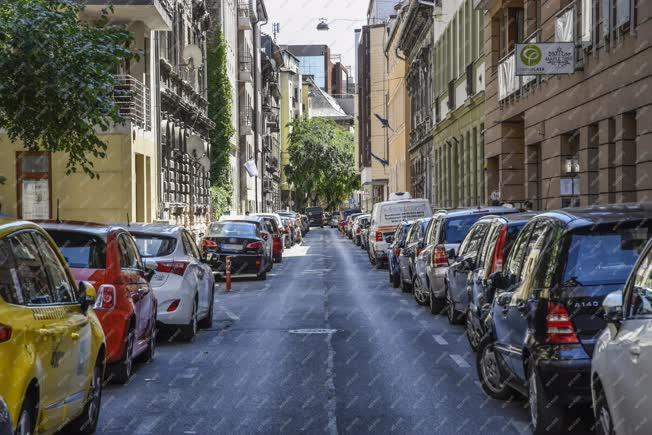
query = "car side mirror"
{"x": 452, "y": 254}
{"x": 150, "y": 268}
{"x": 87, "y": 295}
{"x": 613, "y": 308}
{"x": 469, "y": 263}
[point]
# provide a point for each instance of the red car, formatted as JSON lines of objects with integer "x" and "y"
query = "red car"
{"x": 107, "y": 257}
{"x": 277, "y": 230}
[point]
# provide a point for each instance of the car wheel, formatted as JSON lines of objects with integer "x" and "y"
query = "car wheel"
{"x": 545, "y": 415}
{"x": 372, "y": 260}
{"x": 26, "y": 421}
{"x": 188, "y": 332}
{"x": 471, "y": 334}
{"x": 604, "y": 424}
{"x": 86, "y": 423}
{"x": 489, "y": 373}
{"x": 396, "y": 280}
{"x": 207, "y": 321}
{"x": 420, "y": 294}
{"x": 454, "y": 317}
{"x": 121, "y": 371}
{"x": 262, "y": 276}
{"x": 405, "y": 287}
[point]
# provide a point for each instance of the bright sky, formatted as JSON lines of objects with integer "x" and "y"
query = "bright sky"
{"x": 299, "y": 19}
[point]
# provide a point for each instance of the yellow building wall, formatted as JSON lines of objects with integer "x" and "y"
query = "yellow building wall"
{"x": 107, "y": 199}
{"x": 398, "y": 115}
{"x": 286, "y": 109}
{"x": 378, "y": 72}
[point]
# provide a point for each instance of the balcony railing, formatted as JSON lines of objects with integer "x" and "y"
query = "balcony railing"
{"x": 133, "y": 100}
{"x": 246, "y": 119}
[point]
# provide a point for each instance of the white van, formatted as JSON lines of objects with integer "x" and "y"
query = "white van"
{"x": 384, "y": 219}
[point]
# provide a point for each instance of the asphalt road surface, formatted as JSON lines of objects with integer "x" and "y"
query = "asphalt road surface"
{"x": 325, "y": 345}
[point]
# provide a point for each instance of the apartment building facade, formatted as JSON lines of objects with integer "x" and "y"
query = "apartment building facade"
{"x": 291, "y": 108}
{"x": 184, "y": 162}
{"x": 398, "y": 107}
{"x": 271, "y": 106}
{"x": 416, "y": 44}
{"x": 372, "y": 136}
{"x": 37, "y": 186}
{"x": 576, "y": 139}
{"x": 458, "y": 85}
{"x": 224, "y": 19}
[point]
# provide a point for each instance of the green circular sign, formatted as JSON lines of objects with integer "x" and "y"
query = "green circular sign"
{"x": 531, "y": 55}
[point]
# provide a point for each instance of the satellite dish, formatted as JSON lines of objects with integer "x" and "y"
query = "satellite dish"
{"x": 196, "y": 146}
{"x": 192, "y": 53}
{"x": 206, "y": 163}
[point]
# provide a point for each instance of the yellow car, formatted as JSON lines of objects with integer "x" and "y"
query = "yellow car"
{"x": 51, "y": 344}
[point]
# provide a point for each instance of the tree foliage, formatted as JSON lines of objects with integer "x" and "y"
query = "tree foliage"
{"x": 220, "y": 112}
{"x": 322, "y": 164}
{"x": 57, "y": 77}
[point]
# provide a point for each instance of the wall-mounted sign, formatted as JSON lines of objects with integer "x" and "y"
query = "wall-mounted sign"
{"x": 36, "y": 199}
{"x": 545, "y": 58}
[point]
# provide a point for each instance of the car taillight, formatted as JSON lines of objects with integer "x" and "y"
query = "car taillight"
{"x": 397, "y": 252}
{"x": 497, "y": 265}
{"x": 379, "y": 236}
{"x": 176, "y": 267}
{"x": 254, "y": 245}
{"x": 559, "y": 328}
{"x": 105, "y": 299}
{"x": 5, "y": 333}
{"x": 208, "y": 244}
{"x": 439, "y": 256}
{"x": 173, "y": 306}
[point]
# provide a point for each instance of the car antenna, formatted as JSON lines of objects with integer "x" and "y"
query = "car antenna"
{"x": 58, "y": 211}
{"x": 128, "y": 222}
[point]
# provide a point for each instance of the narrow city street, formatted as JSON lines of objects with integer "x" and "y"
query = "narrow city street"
{"x": 324, "y": 345}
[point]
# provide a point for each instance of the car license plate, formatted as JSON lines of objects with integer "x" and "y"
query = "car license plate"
{"x": 231, "y": 247}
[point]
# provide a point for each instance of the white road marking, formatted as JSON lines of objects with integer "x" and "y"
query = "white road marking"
{"x": 230, "y": 315}
{"x": 331, "y": 405}
{"x": 440, "y": 340}
{"x": 147, "y": 425}
{"x": 461, "y": 362}
{"x": 313, "y": 331}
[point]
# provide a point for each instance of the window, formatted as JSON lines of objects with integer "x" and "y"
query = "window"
{"x": 34, "y": 284}
{"x": 536, "y": 244}
{"x": 458, "y": 227}
{"x": 82, "y": 251}
{"x": 487, "y": 248}
{"x": 154, "y": 246}
{"x": 129, "y": 258}
{"x": 61, "y": 288}
{"x": 9, "y": 285}
{"x": 516, "y": 258}
{"x": 640, "y": 299}
{"x": 473, "y": 241}
{"x": 33, "y": 178}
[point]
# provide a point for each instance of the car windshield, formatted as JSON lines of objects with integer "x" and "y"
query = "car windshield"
{"x": 233, "y": 229}
{"x": 604, "y": 255}
{"x": 81, "y": 250}
{"x": 457, "y": 227}
{"x": 150, "y": 245}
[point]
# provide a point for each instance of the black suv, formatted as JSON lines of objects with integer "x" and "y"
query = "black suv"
{"x": 315, "y": 216}
{"x": 546, "y": 314}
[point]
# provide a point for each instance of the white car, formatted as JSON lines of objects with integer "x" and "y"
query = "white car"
{"x": 183, "y": 285}
{"x": 622, "y": 358}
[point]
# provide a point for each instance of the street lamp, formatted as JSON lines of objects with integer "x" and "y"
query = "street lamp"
{"x": 323, "y": 25}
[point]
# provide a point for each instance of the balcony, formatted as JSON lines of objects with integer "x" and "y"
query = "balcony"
{"x": 246, "y": 67}
{"x": 244, "y": 15}
{"x": 132, "y": 98}
{"x": 246, "y": 121}
{"x": 155, "y": 14}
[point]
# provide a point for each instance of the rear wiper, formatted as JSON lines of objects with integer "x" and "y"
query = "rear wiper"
{"x": 571, "y": 282}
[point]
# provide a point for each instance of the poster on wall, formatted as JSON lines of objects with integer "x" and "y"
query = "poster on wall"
{"x": 36, "y": 199}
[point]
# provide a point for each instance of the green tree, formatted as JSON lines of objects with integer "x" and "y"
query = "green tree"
{"x": 220, "y": 112}
{"x": 322, "y": 164}
{"x": 57, "y": 78}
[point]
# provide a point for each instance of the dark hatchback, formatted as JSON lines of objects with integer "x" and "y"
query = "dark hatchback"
{"x": 546, "y": 314}
{"x": 245, "y": 241}
{"x": 394, "y": 251}
{"x": 482, "y": 253}
{"x": 315, "y": 216}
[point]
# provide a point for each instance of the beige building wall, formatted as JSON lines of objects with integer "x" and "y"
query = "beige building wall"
{"x": 398, "y": 113}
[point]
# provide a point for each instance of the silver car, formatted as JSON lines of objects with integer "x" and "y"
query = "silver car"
{"x": 621, "y": 370}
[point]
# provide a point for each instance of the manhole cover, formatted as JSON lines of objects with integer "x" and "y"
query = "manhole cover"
{"x": 312, "y": 331}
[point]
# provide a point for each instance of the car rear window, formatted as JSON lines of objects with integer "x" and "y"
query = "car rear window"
{"x": 81, "y": 250}
{"x": 233, "y": 229}
{"x": 604, "y": 255}
{"x": 151, "y": 245}
{"x": 456, "y": 228}
{"x": 314, "y": 210}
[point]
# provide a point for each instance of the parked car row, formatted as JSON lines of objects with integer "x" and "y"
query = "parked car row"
{"x": 80, "y": 303}
{"x": 557, "y": 305}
